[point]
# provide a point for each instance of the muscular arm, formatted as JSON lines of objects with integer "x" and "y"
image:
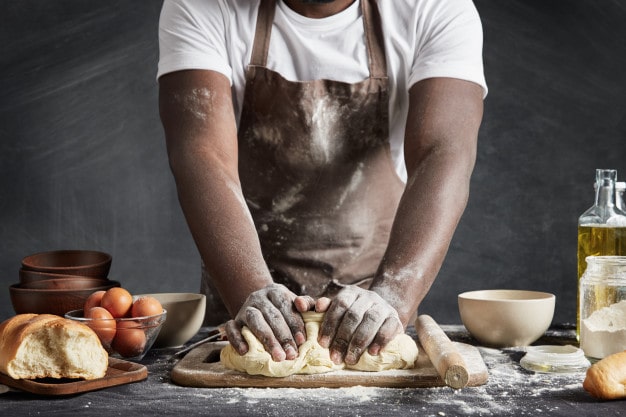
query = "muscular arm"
{"x": 440, "y": 152}
{"x": 197, "y": 115}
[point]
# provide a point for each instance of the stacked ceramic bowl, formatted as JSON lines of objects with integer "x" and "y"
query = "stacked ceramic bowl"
{"x": 60, "y": 281}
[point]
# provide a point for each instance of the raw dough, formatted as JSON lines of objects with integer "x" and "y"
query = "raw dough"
{"x": 400, "y": 353}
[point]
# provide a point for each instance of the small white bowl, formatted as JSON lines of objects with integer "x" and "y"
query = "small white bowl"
{"x": 506, "y": 318}
{"x": 185, "y": 314}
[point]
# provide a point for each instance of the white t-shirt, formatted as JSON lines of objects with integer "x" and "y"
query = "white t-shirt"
{"x": 423, "y": 39}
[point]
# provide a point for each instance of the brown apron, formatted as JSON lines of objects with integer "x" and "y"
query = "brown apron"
{"x": 316, "y": 169}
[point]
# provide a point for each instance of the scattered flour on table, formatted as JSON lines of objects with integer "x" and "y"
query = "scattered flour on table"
{"x": 355, "y": 394}
{"x": 510, "y": 391}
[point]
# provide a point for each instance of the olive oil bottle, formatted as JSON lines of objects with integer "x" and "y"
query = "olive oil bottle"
{"x": 620, "y": 190}
{"x": 602, "y": 228}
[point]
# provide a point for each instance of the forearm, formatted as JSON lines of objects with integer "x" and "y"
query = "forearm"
{"x": 431, "y": 206}
{"x": 222, "y": 228}
{"x": 440, "y": 152}
{"x": 198, "y": 119}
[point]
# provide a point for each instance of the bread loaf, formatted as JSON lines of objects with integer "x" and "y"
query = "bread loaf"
{"x": 48, "y": 346}
{"x": 606, "y": 379}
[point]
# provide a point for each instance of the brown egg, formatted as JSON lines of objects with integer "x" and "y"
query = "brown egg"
{"x": 93, "y": 301}
{"x": 118, "y": 301}
{"x": 103, "y": 324}
{"x": 129, "y": 340}
{"x": 146, "y": 306}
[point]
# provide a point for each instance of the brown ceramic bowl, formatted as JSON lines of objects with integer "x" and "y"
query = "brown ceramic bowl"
{"x": 59, "y": 302}
{"x": 27, "y": 277}
{"x": 68, "y": 283}
{"x": 87, "y": 263}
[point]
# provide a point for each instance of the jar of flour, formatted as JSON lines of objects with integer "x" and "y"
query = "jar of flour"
{"x": 603, "y": 306}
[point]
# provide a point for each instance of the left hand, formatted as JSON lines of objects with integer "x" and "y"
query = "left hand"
{"x": 356, "y": 319}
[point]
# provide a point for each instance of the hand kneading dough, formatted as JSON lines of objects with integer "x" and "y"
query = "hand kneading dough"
{"x": 400, "y": 353}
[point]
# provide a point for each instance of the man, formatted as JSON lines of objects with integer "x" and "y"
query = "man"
{"x": 322, "y": 152}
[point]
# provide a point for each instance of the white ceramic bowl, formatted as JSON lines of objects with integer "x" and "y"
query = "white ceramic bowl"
{"x": 506, "y": 318}
{"x": 185, "y": 314}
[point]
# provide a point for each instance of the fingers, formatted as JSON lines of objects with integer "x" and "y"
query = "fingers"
{"x": 389, "y": 329}
{"x": 271, "y": 316}
{"x": 322, "y": 304}
{"x": 357, "y": 320}
{"x": 233, "y": 333}
{"x": 365, "y": 334}
{"x": 276, "y": 337}
{"x": 304, "y": 303}
{"x": 333, "y": 318}
{"x": 294, "y": 334}
{"x": 356, "y": 331}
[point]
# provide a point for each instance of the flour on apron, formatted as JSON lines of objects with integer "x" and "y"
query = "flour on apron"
{"x": 316, "y": 170}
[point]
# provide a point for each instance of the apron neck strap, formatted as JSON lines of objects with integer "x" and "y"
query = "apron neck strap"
{"x": 263, "y": 33}
{"x": 373, "y": 35}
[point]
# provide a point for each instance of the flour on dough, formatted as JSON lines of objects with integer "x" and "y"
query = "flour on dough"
{"x": 400, "y": 353}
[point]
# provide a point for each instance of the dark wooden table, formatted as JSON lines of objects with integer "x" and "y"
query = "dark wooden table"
{"x": 510, "y": 391}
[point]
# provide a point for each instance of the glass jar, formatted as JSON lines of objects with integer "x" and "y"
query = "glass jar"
{"x": 602, "y": 227}
{"x": 603, "y": 306}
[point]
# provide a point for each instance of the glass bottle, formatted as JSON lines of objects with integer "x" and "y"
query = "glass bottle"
{"x": 602, "y": 228}
{"x": 603, "y": 306}
{"x": 620, "y": 199}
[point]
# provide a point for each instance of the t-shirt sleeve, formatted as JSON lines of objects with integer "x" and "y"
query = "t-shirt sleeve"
{"x": 450, "y": 44}
{"x": 192, "y": 36}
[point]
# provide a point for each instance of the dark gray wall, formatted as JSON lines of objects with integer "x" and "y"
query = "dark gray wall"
{"x": 556, "y": 111}
{"x": 83, "y": 164}
{"x": 82, "y": 154}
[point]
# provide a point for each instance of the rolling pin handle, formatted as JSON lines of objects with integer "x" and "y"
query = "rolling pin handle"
{"x": 445, "y": 358}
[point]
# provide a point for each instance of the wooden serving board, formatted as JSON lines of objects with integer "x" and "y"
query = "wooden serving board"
{"x": 119, "y": 372}
{"x": 202, "y": 368}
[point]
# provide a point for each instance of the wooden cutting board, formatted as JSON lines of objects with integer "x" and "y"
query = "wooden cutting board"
{"x": 202, "y": 368}
{"x": 119, "y": 372}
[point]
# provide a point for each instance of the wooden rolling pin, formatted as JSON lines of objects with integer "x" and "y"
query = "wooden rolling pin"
{"x": 445, "y": 358}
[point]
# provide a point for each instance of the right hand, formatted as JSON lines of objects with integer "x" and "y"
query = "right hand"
{"x": 273, "y": 315}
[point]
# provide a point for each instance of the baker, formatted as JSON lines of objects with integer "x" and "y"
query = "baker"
{"x": 322, "y": 152}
